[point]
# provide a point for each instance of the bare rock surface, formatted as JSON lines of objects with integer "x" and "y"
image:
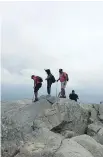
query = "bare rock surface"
{"x": 51, "y": 127}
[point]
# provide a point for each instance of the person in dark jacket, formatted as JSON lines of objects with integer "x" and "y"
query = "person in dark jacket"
{"x": 73, "y": 96}
{"x": 49, "y": 80}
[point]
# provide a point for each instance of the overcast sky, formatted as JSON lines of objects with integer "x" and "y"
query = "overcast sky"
{"x": 39, "y": 35}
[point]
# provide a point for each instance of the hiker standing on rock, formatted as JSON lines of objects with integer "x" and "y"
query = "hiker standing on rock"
{"x": 37, "y": 85}
{"x": 63, "y": 77}
{"x": 50, "y": 79}
{"x": 73, "y": 96}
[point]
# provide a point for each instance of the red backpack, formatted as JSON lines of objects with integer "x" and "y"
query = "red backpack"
{"x": 40, "y": 79}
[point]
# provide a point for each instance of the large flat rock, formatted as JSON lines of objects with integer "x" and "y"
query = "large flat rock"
{"x": 23, "y": 112}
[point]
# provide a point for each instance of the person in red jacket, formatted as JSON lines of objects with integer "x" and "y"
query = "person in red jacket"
{"x": 63, "y": 77}
{"x": 37, "y": 85}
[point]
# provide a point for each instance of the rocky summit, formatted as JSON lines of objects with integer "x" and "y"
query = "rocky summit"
{"x": 51, "y": 127}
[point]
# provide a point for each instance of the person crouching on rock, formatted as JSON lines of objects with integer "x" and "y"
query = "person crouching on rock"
{"x": 73, "y": 96}
{"x": 63, "y": 77}
{"x": 37, "y": 85}
{"x": 50, "y": 79}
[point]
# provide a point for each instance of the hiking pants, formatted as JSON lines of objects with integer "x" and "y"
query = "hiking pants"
{"x": 49, "y": 87}
{"x": 63, "y": 86}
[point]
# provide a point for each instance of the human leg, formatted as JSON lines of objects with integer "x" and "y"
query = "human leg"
{"x": 37, "y": 87}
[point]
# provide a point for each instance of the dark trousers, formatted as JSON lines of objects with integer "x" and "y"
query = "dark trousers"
{"x": 49, "y": 87}
{"x": 36, "y": 89}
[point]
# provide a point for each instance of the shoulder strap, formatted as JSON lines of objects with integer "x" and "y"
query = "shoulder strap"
{"x": 64, "y": 73}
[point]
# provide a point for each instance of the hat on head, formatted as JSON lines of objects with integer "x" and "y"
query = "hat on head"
{"x": 60, "y": 70}
{"x": 47, "y": 70}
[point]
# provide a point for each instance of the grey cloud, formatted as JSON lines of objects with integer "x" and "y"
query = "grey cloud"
{"x": 16, "y": 63}
{"x": 17, "y": 56}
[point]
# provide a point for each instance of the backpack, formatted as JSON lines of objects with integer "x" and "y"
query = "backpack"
{"x": 40, "y": 79}
{"x": 67, "y": 77}
{"x": 53, "y": 79}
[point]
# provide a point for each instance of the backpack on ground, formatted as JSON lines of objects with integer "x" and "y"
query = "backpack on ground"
{"x": 40, "y": 79}
{"x": 53, "y": 79}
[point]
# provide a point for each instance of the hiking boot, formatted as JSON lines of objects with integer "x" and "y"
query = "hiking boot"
{"x": 62, "y": 96}
{"x": 35, "y": 100}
